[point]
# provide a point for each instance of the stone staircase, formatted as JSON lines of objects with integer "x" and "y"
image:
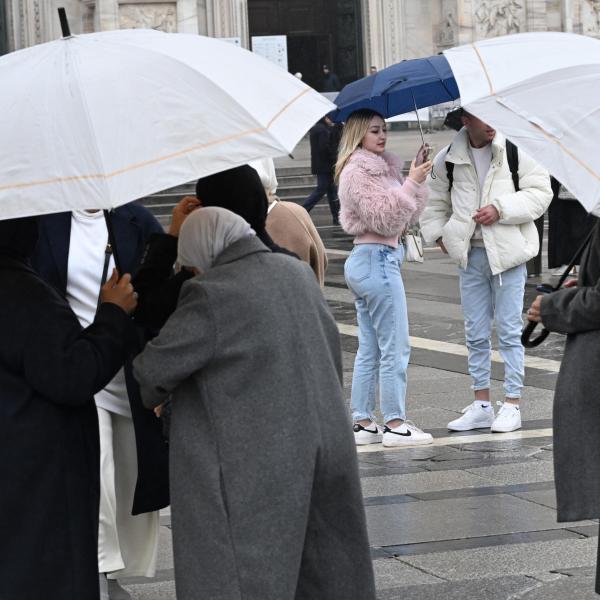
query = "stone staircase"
{"x": 295, "y": 184}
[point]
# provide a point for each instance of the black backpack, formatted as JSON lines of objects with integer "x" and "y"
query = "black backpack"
{"x": 512, "y": 154}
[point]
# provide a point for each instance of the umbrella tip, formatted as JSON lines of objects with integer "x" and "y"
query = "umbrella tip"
{"x": 64, "y": 23}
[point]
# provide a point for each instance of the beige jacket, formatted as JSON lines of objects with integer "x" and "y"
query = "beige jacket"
{"x": 291, "y": 227}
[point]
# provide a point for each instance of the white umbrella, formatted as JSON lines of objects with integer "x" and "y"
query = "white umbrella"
{"x": 542, "y": 91}
{"x": 99, "y": 120}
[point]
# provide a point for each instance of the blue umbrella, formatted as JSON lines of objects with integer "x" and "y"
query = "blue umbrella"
{"x": 401, "y": 88}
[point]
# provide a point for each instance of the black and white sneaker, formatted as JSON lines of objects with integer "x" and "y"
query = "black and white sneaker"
{"x": 407, "y": 434}
{"x": 366, "y": 435}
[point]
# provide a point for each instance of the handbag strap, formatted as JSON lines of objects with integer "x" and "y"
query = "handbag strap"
{"x": 107, "y": 255}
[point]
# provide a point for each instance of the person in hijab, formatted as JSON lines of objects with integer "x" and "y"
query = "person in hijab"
{"x": 261, "y": 492}
{"x": 50, "y": 369}
{"x": 288, "y": 223}
{"x": 238, "y": 190}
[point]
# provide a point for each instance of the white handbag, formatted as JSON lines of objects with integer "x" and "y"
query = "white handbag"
{"x": 413, "y": 245}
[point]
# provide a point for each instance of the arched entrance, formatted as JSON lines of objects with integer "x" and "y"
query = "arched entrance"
{"x": 318, "y": 32}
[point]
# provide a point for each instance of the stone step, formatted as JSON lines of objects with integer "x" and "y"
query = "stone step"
{"x": 297, "y": 180}
{"x": 292, "y": 171}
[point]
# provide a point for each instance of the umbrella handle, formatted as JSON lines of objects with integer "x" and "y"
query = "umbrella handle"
{"x": 526, "y": 335}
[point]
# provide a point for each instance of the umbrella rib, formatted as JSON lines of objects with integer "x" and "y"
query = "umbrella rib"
{"x": 566, "y": 150}
{"x": 487, "y": 75}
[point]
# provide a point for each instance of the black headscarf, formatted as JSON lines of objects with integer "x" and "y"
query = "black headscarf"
{"x": 239, "y": 190}
{"x": 18, "y": 237}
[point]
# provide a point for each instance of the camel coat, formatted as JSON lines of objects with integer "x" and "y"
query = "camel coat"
{"x": 265, "y": 495}
{"x": 291, "y": 227}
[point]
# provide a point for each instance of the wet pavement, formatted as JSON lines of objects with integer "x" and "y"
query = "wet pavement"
{"x": 474, "y": 515}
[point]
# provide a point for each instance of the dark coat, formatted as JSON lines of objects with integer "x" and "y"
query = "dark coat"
{"x": 49, "y": 371}
{"x": 266, "y": 500}
{"x": 576, "y": 312}
{"x": 576, "y": 419}
{"x": 133, "y": 225}
{"x": 323, "y": 148}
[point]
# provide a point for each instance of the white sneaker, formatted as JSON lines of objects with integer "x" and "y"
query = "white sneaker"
{"x": 508, "y": 418}
{"x": 475, "y": 416}
{"x": 366, "y": 435}
{"x": 407, "y": 434}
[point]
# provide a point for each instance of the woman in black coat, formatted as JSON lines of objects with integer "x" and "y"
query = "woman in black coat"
{"x": 50, "y": 369}
{"x": 239, "y": 190}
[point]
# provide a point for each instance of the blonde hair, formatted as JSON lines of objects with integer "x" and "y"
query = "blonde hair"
{"x": 355, "y": 129}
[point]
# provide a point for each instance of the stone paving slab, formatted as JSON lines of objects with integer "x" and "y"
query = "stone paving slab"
{"x": 415, "y": 522}
{"x": 516, "y": 473}
{"x": 518, "y": 559}
{"x": 502, "y": 588}
{"x": 389, "y": 572}
{"x": 421, "y": 482}
{"x": 164, "y": 590}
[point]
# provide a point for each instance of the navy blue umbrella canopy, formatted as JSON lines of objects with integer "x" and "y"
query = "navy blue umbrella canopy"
{"x": 399, "y": 89}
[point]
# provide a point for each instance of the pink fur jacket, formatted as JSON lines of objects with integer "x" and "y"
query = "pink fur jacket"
{"x": 374, "y": 198}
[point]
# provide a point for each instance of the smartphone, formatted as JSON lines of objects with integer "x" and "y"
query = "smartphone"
{"x": 423, "y": 155}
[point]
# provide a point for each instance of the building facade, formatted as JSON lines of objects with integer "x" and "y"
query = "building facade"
{"x": 347, "y": 35}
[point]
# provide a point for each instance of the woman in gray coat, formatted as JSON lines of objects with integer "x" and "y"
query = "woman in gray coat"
{"x": 575, "y": 310}
{"x": 265, "y": 494}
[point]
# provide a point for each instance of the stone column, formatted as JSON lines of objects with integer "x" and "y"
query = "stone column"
{"x": 225, "y": 18}
{"x": 187, "y": 16}
{"x": 107, "y": 15}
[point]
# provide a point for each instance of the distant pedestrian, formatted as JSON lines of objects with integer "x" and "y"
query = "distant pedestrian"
{"x": 477, "y": 217}
{"x": 50, "y": 369}
{"x": 330, "y": 82}
{"x": 263, "y": 507}
{"x": 575, "y": 311}
{"x": 372, "y": 70}
{"x": 377, "y": 205}
{"x": 290, "y": 225}
{"x": 324, "y": 140}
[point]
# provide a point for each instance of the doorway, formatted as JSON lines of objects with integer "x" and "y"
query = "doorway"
{"x": 318, "y": 32}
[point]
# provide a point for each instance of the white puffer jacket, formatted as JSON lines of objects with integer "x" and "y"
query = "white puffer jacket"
{"x": 509, "y": 242}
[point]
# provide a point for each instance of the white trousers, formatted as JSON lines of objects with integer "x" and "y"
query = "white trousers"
{"x": 127, "y": 545}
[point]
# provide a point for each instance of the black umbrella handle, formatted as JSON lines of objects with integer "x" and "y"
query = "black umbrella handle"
{"x": 526, "y": 335}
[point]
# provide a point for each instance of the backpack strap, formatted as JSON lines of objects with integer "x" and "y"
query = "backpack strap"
{"x": 449, "y": 170}
{"x": 512, "y": 154}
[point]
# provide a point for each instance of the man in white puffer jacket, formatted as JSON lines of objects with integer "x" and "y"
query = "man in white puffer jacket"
{"x": 488, "y": 228}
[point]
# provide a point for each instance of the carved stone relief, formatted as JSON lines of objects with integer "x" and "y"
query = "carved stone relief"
{"x": 446, "y": 33}
{"x": 499, "y": 17}
{"x": 590, "y": 16}
{"x": 161, "y": 16}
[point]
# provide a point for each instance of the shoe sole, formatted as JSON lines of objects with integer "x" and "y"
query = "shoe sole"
{"x": 374, "y": 441}
{"x": 505, "y": 430}
{"x": 411, "y": 443}
{"x": 486, "y": 426}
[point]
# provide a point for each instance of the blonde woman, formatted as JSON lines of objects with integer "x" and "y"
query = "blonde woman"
{"x": 376, "y": 207}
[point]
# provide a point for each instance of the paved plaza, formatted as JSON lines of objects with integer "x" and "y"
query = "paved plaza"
{"x": 473, "y": 516}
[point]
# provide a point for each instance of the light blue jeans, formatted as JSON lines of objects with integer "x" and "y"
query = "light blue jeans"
{"x": 372, "y": 273}
{"x": 485, "y": 298}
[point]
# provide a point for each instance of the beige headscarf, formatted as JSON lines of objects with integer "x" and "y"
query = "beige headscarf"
{"x": 206, "y": 233}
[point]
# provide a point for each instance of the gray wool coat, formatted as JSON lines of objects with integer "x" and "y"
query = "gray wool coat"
{"x": 576, "y": 419}
{"x": 266, "y": 500}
